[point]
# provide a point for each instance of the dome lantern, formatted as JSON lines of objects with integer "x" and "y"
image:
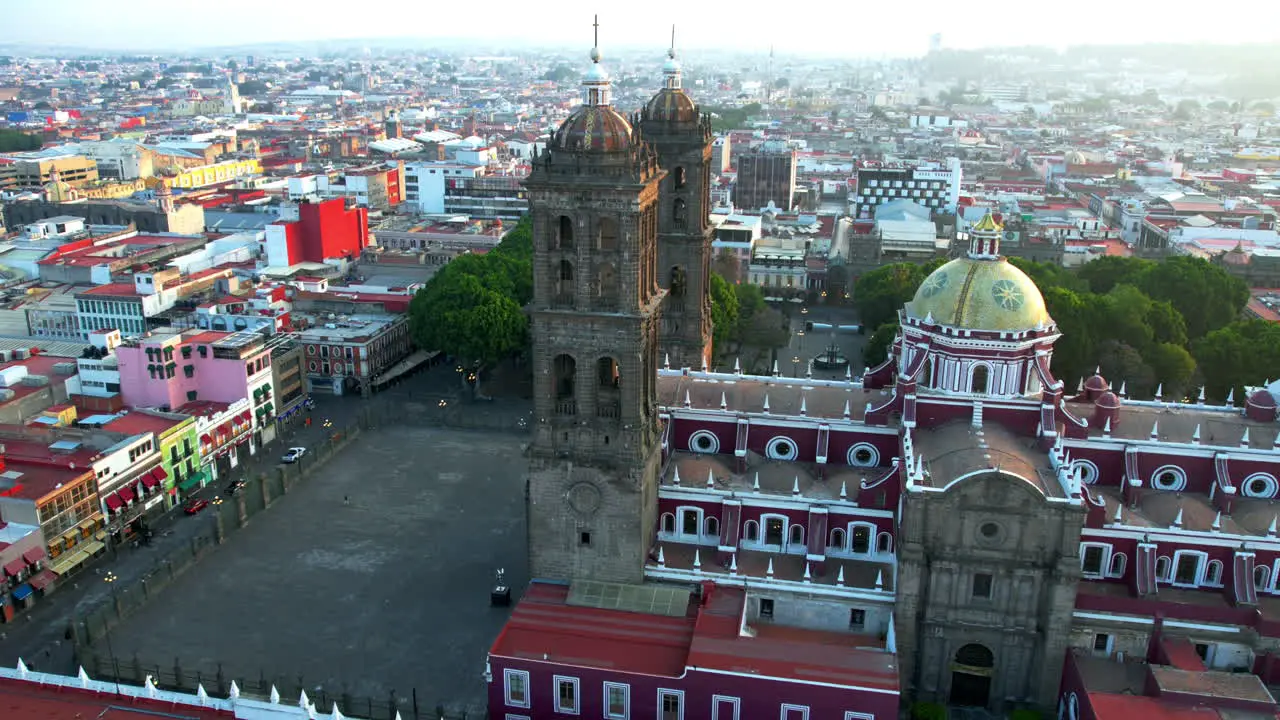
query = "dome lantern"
{"x": 984, "y": 238}
{"x": 596, "y": 88}
{"x": 671, "y": 68}
{"x": 595, "y": 126}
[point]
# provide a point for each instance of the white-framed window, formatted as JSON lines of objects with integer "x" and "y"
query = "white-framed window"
{"x": 1163, "y": 565}
{"x": 793, "y": 712}
{"x": 1188, "y": 568}
{"x": 566, "y": 689}
{"x": 855, "y": 715}
{"x": 1094, "y": 558}
{"x": 781, "y": 448}
{"x": 772, "y": 533}
{"x": 617, "y": 701}
{"x": 837, "y": 539}
{"x": 724, "y": 707}
{"x": 1261, "y": 578}
{"x": 1213, "y": 573}
{"x": 884, "y": 543}
{"x": 1088, "y": 471}
{"x": 513, "y": 716}
{"x": 689, "y": 522}
{"x": 515, "y": 686}
{"x": 863, "y": 455}
{"x": 1260, "y": 485}
{"x": 861, "y": 538}
{"x": 712, "y": 526}
{"x": 1116, "y": 569}
{"x": 1102, "y": 643}
{"x": 704, "y": 441}
{"x": 670, "y": 704}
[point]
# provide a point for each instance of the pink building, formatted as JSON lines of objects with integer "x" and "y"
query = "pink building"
{"x": 171, "y": 368}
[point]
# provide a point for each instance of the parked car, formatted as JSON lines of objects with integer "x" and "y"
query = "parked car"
{"x": 294, "y": 455}
{"x": 195, "y": 505}
{"x": 235, "y": 487}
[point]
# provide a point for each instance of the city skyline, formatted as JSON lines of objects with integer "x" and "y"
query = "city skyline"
{"x": 157, "y": 26}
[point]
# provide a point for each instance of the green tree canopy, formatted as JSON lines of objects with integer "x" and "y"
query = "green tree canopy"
{"x": 1207, "y": 296}
{"x": 473, "y": 307}
{"x": 1246, "y": 352}
{"x": 15, "y": 141}
{"x": 879, "y": 294}
{"x": 724, "y": 311}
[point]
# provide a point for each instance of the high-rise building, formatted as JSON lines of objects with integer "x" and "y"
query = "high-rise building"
{"x": 766, "y": 174}
{"x": 671, "y": 124}
{"x": 932, "y": 184}
{"x": 596, "y": 311}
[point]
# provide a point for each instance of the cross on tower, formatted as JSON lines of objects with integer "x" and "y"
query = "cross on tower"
{"x": 595, "y": 25}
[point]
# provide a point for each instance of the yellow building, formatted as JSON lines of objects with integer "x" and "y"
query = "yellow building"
{"x": 205, "y": 175}
{"x": 31, "y": 173}
{"x": 110, "y": 190}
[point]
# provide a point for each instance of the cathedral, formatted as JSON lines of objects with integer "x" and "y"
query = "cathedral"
{"x": 955, "y": 526}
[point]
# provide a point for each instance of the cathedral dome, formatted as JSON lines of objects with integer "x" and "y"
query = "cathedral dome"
{"x": 671, "y": 105}
{"x": 593, "y": 128}
{"x": 975, "y": 294}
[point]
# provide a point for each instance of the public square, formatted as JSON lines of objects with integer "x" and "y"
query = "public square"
{"x": 373, "y": 575}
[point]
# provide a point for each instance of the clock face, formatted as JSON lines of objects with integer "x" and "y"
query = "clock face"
{"x": 934, "y": 284}
{"x": 1007, "y": 295}
{"x": 584, "y": 498}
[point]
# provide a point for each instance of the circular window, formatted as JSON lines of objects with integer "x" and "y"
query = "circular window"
{"x": 1169, "y": 477}
{"x": 1260, "y": 485}
{"x": 989, "y": 530}
{"x": 781, "y": 448}
{"x": 1088, "y": 471}
{"x": 704, "y": 441}
{"x": 864, "y": 455}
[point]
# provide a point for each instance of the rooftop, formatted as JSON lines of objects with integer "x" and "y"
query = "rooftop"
{"x": 143, "y": 421}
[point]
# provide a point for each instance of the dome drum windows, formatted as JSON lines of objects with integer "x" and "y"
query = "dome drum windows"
{"x": 1169, "y": 477}
{"x": 781, "y": 448}
{"x": 704, "y": 441}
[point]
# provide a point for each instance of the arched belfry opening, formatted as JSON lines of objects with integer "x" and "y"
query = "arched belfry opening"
{"x": 678, "y": 213}
{"x": 564, "y": 233}
{"x": 607, "y": 234}
{"x": 564, "y": 371}
{"x": 971, "y": 676}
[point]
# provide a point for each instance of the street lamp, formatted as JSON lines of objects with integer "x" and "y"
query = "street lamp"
{"x": 111, "y": 579}
{"x": 795, "y": 366}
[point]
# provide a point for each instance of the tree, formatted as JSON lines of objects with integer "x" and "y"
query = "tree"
{"x": 724, "y": 312}
{"x": 1264, "y": 106}
{"x": 472, "y": 308}
{"x": 877, "y": 347}
{"x": 1173, "y": 367}
{"x": 15, "y": 141}
{"x": 781, "y": 83}
{"x": 1219, "y": 106}
{"x": 1245, "y": 352}
{"x": 1207, "y": 296}
{"x": 1123, "y": 361}
{"x": 1109, "y": 270}
{"x": 1185, "y": 109}
{"x": 879, "y": 294}
{"x": 727, "y": 266}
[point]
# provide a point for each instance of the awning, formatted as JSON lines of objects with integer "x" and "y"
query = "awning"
{"x": 126, "y": 494}
{"x": 160, "y": 474}
{"x": 114, "y": 503}
{"x": 43, "y": 579}
{"x": 246, "y": 416}
{"x": 67, "y": 562}
{"x": 34, "y": 555}
{"x": 87, "y": 523}
{"x": 189, "y": 481}
{"x": 91, "y": 548}
{"x": 206, "y": 439}
{"x": 13, "y": 568}
{"x": 149, "y": 480}
{"x": 22, "y": 592}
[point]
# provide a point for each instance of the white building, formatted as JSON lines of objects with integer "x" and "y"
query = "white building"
{"x": 98, "y": 375}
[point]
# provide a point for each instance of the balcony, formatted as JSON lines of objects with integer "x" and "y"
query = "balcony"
{"x": 611, "y": 409}
{"x": 566, "y": 407}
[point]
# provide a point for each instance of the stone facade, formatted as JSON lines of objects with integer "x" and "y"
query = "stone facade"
{"x": 596, "y": 314}
{"x": 990, "y": 562}
{"x": 683, "y": 147}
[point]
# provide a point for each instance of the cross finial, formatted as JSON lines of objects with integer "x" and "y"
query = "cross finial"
{"x": 673, "y": 40}
{"x": 595, "y": 26}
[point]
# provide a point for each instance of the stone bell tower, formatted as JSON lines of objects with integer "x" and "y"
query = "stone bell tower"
{"x": 681, "y": 136}
{"x": 593, "y": 199}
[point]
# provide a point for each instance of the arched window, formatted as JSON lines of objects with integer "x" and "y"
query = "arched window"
{"x": 607, "y": 373}
{"x": 565, "y": 371}
{"x": 668, "y": 523}
{"x": 678, "y": 177}
{"x": 1117, "y": 566}
{"x": 975, "y": 655}
{"x": 797, "y": 535}
{"x": 606, "y": 281}
{"x": 837, "y": 539}
{"x": 677, "y": 281}
{"x": 713, "y": 527}
{"x": 884, "y": 543}
{"x": 1213, "y": 573}
{"x": 564, "y": 282}
{"x": 980, "y": 378}
{"x": 751, "y": 531}
{"x": 564, "y": 233}
{"x": 1162, "y": 569}
{"x": 926, "y": 374}
{"x": 678, "y": 213}
{"x": 1261, "y": 578}
{"x": 860, "y": 539}
{"x": 607, "y": 239}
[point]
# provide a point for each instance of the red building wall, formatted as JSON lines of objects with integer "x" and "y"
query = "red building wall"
{"x": 329, "y": 230}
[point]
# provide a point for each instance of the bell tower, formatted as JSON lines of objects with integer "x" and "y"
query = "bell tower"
{"x": 681, "y": 137}
{"x": 593, "y": 200}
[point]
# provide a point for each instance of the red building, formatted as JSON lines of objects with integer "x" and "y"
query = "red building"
{"x": 568, "y": 650}
{"x": 325, "y": 230}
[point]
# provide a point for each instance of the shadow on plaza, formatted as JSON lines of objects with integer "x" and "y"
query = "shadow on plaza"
{"x": 91, "y": 633}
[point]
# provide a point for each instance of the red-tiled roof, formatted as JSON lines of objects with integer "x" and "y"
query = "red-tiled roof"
{"x": 543, "y": 626}
{"x": 1109, "y": 706}
{"x": 138, "y": 422}
{"x": 114, "y": 289}
{"x": 22, "y": 700}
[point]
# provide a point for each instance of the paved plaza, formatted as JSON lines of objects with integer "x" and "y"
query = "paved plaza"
{"x": 371, "y": 576}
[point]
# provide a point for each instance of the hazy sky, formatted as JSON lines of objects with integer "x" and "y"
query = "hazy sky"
{"x": 846, "y": 27}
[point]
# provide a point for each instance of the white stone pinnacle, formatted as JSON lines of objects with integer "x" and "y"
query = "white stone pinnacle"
{"x": 201, "y": 694}
{"x": 1122, "y": 390}
{"x": 1159, "y": 391}
{"x": 775, "y": 368}
{"x": 1271, "y": 529}
{"x": 755, "y": 484}
{"x": 795, "y": 486}
{"x": 22, "y": 668}
{"x": 304, "y": 702}
{"x": 1119, "y": 514}
{"x": 711, "y": 478}
{"x": 1231, "y": 397}
{"x": 880, "y": 579}
{"x": 808, "y": 577}
{"x": 737, "y": 366}
{"x": 1195, "y": 436}
{"x": 1200, "y": 397}
{"x": 733, "y": 564}
{"x": 83, "y": 677}
{"x": 769, "y": 570}
{"x": 1217, "y": 522}
{"x": 1244, "y": 439}
{"x": 697, "y": 559}
{"x": 234, "y": 692}
{"x": 687, "y": 400}
{"x": 337, "y": 714}
{"x": 840, "y": 577}
{"x": 724, "y": 402}
{"x": 1155, "y": 429}
{"x": 846, "y": 409}
{"x": 275, "y": 695}
{"x": 662, "y": 558}
{"x": 1106, "y": 427}
{"x": 675, "y": 477}
{"x": 766, "y": 403}
{"x": 1177, "y": 520}
{"x": 666, "y": 362}
{"x": 804, "y": 405}
{"x": 844, "y": 489}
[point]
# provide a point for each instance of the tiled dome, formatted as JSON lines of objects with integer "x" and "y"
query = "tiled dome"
{"x": 671, "y": 105}
{"x": 594, "y": 128}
